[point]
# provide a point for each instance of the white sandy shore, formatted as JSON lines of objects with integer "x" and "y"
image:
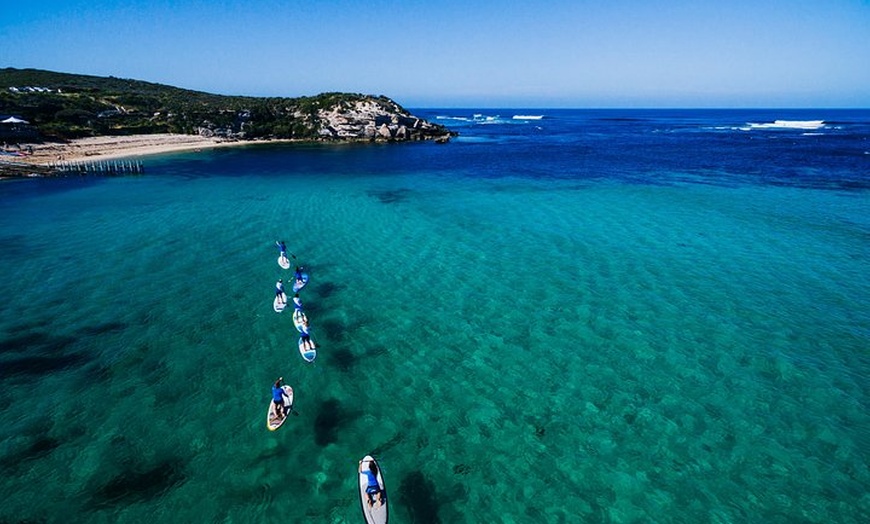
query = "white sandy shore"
{"x": 115, "y": 147}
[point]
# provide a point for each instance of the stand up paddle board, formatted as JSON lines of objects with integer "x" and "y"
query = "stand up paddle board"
{"x": 299, "y": 320}
{"x": 378, "y": 512}
{"x": 284, "y": 262}
{"x": 279, "y": 303}
{"x": 299, "y": 285}
{"x": 273, "y": 421}
{"x": 308, "y": 354}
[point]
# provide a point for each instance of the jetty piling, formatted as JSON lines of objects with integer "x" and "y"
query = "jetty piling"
{"x": 96, "y": 168}
{"x": 114, "y": 167}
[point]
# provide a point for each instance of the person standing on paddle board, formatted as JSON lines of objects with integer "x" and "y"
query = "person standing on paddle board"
{"x": 282, "y": 247}
{"x": 278, "y": 397}
{"x": 307, "y": 343}
{"x": 374, "y": 487}
{"x": 298, "y": 275}
{"x": 279, "y": 291}
{"x": 297, "y": 302}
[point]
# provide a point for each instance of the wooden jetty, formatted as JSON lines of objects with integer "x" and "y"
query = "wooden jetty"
{"x": 100, "y": 168}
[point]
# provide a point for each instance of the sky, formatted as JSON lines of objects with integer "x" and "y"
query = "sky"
{"x": 468, "y": 53}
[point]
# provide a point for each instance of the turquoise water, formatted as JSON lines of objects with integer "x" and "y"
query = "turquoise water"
{"x": 511, "y": 348}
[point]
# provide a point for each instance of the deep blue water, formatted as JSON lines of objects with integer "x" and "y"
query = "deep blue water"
{"x": 722, "y": 147}
{"x": 570, "y": 316}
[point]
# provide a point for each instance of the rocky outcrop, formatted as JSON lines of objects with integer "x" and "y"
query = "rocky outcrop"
{"x": 375, "y": 119}
{"x": 68, "y": 106}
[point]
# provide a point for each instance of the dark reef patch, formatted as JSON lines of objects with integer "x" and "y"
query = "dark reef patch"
{"x": 28, "y": 326}
{"x": 334, "y": 329}
{"x": 418, "y": 494}
{"x": 140, "y": 484}
{"x": 16, "y": 246}
{"x": 38, "y": 448}
{"x": 390, "y": 196}
{"x": 343, "y": 358}
{"x": 102, "y": 329}
{"x": 36, "y": 341}
{"x": 32, "y": 366}
{"x": 327, "y": 289}
{"x": 331, "y": 416}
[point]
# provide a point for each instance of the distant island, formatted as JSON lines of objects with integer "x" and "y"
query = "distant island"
{"x": 39, "y": 106}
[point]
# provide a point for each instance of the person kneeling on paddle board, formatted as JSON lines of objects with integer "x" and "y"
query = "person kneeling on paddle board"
{"x": 279, "y": 291}
{"x": 374, "y": 487}
{"x": 278, "y": 397}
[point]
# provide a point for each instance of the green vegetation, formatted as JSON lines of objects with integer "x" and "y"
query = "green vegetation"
{"x": 65, "y": 106}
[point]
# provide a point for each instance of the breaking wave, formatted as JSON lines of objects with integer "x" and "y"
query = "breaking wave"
{"x": 787, "y": 124}
{"x": 481, "y": 119}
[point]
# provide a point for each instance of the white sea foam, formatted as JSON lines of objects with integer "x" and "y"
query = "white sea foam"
{"x": 528, "y": 117}
{"x": 788, "y": 124}
{"x": 475, "y": 119}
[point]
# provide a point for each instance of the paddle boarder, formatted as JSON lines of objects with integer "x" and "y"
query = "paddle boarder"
{"x": 278, "y": 397}
{"x": 307, "y": 343}
{"x": 279, "y": 291}
{"x": 374, "y": 487}
{"x": 297, "y": 302}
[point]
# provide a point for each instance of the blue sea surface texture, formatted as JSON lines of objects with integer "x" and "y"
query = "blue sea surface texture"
{"x": 559, "y": 316}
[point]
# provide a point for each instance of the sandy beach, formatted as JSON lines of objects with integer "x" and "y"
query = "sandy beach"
{"x": 116, "y": 147}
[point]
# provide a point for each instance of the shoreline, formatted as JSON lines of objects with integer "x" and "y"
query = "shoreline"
{"x": 120, "y": 147}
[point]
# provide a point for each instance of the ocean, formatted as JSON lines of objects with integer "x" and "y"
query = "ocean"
{"x": 622, "y": 316}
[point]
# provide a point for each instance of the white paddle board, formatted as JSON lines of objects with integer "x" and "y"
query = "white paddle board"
{"x": 279, "y": 303}
{"x": 378, "y": 512}
{"x": 298, "y": 317}
{"x": 284, "y": 262}
{"x": 273, "y": 421}
{"x": 308, "y": 354}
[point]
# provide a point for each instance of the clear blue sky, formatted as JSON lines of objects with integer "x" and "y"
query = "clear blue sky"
{"x": 446, "y": 53}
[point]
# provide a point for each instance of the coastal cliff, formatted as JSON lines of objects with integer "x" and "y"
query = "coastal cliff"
{"x": 359, "y": 117}
{"x": 47, "y": 105}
